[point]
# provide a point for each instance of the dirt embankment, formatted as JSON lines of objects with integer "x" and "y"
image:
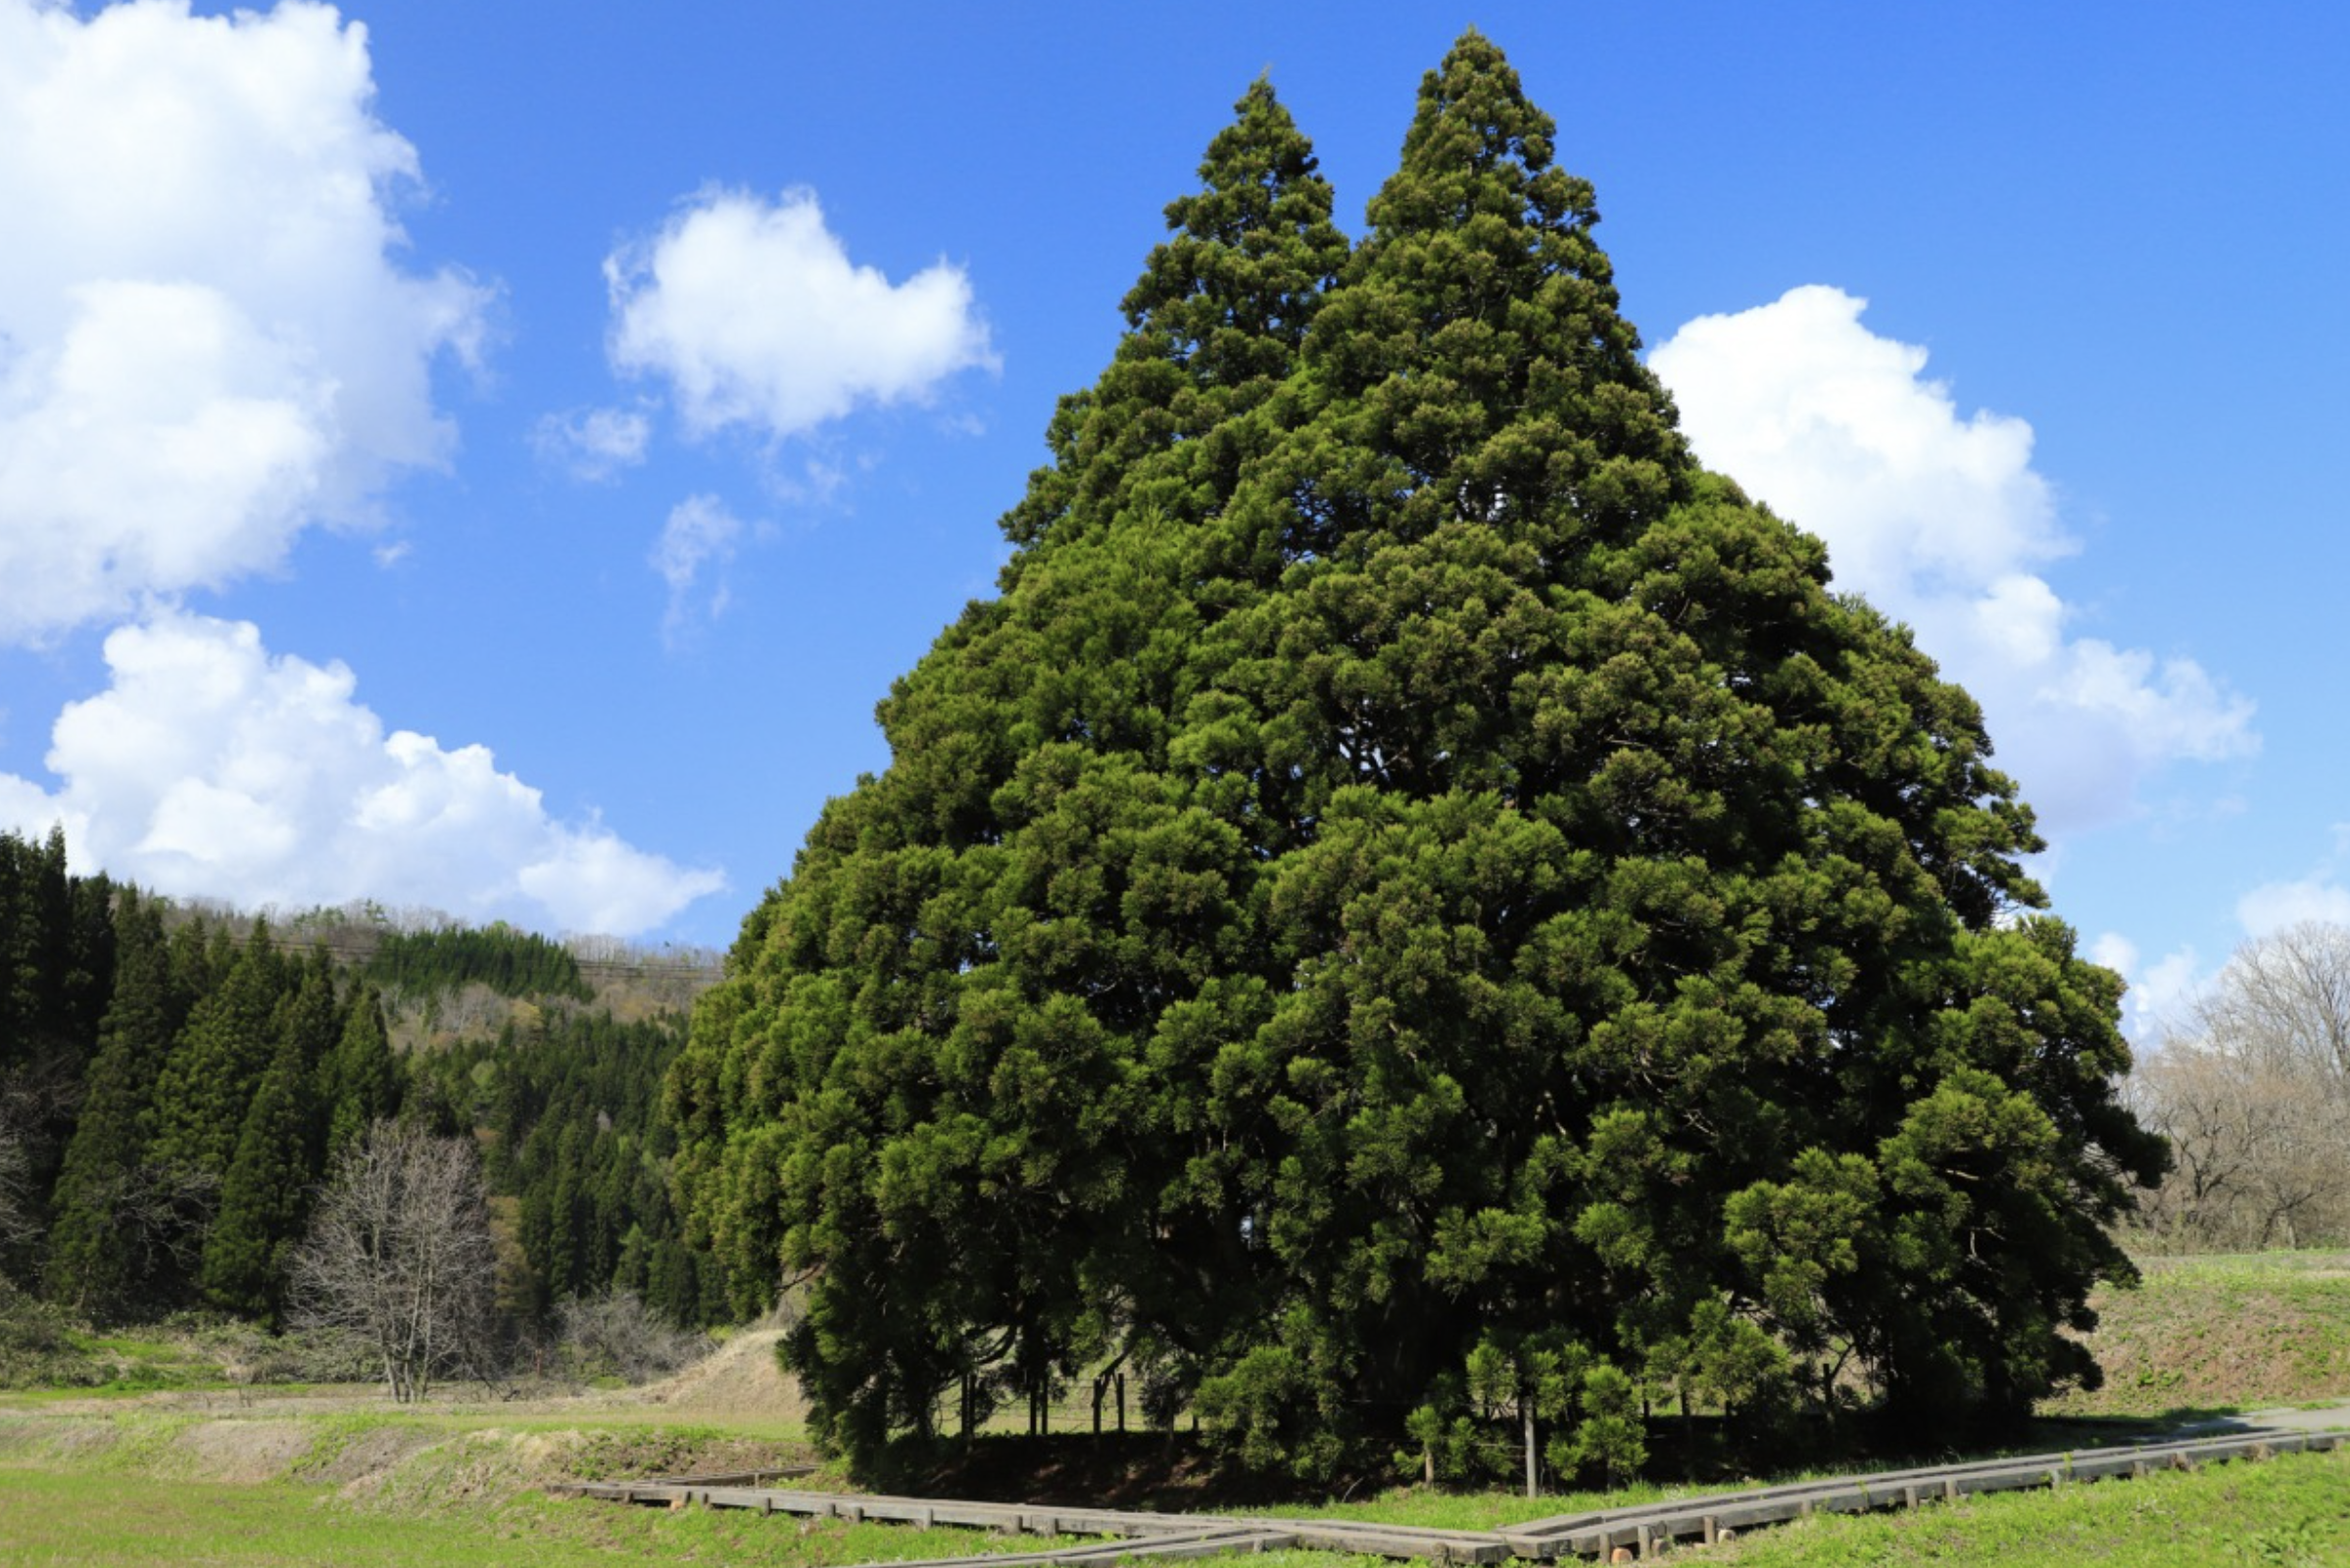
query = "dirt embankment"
{"x": 414, "y": 1463}
{"x": 734, "y": 1410}
{"x": 740, "y": 1379}
{"x": 2216, "y": 1332}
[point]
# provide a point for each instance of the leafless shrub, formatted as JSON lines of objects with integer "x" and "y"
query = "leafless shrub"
{"x": 615, "y": 1334}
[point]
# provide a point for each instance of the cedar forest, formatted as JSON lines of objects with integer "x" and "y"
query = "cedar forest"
{"x": 175, "y": 1088}
{"x": 1416, "y": 911}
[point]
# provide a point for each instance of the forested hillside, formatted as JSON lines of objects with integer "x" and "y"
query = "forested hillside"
{"x": 175, "y": 1085}
{"x": 569, "y": 1108}
{"x": 511, "y": 963}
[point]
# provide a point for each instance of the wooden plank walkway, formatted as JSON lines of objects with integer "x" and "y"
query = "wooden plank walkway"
{"x": 1651, "y": 1527}
{"x": 1643, "y": 1530}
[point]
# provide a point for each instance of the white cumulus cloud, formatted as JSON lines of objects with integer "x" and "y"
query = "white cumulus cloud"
{"x": 753, "y": 314}
{"x": 206, "y": 341}
{"x": 2162, "y": 994}
{"x": 212, "y": 767}
{"x": 2275, "y": 907}
{"x": 2319, "y": 893}
{"x": 1940, "y": 520}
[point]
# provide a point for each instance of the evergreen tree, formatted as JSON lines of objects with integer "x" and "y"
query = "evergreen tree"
{"x": 56, "y": 974}
{"x": 264, "y": 1197}
{"x": 1213, "y": 328}
{"x": 567, "y": 1110}
{"x": 216, "y": 1062}
{"x": 201, "y": 954}
{"x": 33, "y": 894}
{"x": 101, "y": 1251}
{"x": 511, "y": 963}
{"x": 1415, "y": 883}
{"x": 359, "y": 1080}
{"x": 1024, "y": 745}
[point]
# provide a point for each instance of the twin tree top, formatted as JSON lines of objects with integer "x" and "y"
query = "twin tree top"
{"x": 1417, "y": 904}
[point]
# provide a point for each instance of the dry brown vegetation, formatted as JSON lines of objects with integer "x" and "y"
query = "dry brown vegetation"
{"x": 2252, "y": 1090}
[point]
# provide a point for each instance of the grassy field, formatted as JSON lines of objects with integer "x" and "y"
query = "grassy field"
{"x": 268, "y": 1477}
{"x": 457, "y": 1501}
{"x": 48, "y": 1517}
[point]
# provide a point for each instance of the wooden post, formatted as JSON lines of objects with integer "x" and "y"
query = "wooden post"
{"x": 1100, "y": 1387}
{"x": 1121, "y": 1401}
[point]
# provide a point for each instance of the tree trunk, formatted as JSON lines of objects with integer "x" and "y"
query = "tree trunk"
{"x": 1526, "y": 1411}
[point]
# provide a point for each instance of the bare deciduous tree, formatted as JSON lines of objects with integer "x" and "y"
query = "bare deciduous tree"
{"x": 2258, "y": 1156}
{"x": 2285, "y": 997}
{"x": 37, "y": 1095}
{"x": 399, "y": 1251}
{"x": 16, "y": 1189}
{"x": 2253, "y": 1092}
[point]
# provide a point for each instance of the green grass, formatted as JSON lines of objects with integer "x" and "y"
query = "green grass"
{"x": 2286, "y": 1512}
{"x": 1493, "y": 1509}
{"x": 75, "y": 1517}
{"x": 456, "y": 1483}
{"x": 2223, "y": 1332}
{"x": 54, "y": 1518}
{"x": 130, "y": 1490}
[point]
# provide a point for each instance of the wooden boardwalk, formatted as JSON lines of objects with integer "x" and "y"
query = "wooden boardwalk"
{"x": 1641, "y": 1531}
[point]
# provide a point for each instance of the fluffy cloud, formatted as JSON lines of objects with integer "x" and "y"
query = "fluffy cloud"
{"x": 2318, "y": 895}
{"x": 209, "y": 348}
{"x": 1940, "y": 521}
{"x": 2162, "y": 994}
{"x": 211, "y": 767}
{"x": 701, "y": 532}
{"x": 754, "y": 315}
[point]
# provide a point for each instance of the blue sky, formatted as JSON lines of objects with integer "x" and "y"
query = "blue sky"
{"x": 492, "y": 458}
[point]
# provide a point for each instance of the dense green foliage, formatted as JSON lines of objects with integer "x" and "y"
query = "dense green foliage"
{"x": 222, "y": 1070}
{"x": 511, "y": 963}
{"x": 1416, "y": 904}
{"x": 173, "y": 1089}
{"x": 57, "y": 963}
{"x": 569, "y": 1104}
